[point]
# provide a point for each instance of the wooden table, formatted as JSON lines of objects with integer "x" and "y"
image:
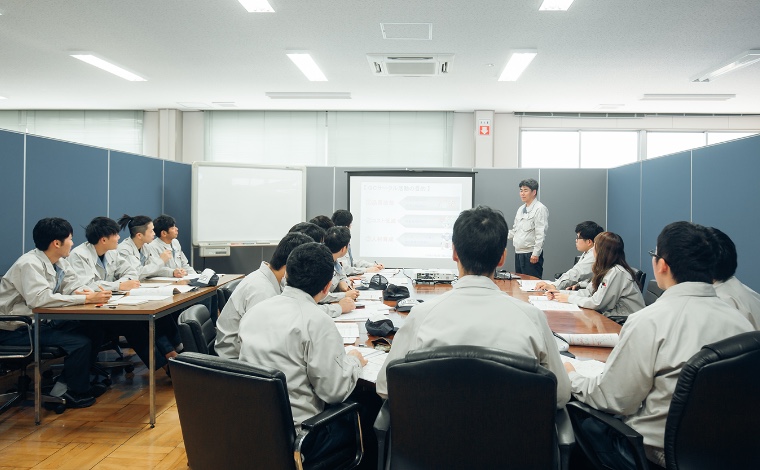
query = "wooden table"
{"x": 585, "y": 321}
{"x": 149, "y": 311}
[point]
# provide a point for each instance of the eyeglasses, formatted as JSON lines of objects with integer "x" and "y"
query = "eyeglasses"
{"x": 654, "y": 254}
{"x": 579, "y": 238}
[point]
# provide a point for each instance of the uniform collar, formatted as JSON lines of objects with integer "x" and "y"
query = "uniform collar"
{"x": 45, "y": 261}
{"x": 298, "y": 295}
{"x": 690, "y": 289}
{"x": 475, "y": 281}
{"x": 269, "y": 275}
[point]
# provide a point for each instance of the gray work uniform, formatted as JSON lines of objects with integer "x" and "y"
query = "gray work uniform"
{"x": 580, "y": 272}
{"x": 141, "y": 260}
{"x": 618, "y": 294}
{"x": 94, "y": 273}
{"x": 741, "y": 297}
{"x": 178, "y": 259}
{"x": 353, "y": 266}
{"x": 528, "y": 231}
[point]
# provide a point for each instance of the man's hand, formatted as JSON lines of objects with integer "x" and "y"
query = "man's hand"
{"x": 129, "y": 285}
{"x": 100, "y": 297}
{"x": 533, "y": 259}
{"x": 569, "y": 367}
{"x": 545, "y": 286}
{"x": 558, "y": 296}
{"x": 166, "y": 255}
{"x": 179, "y": 272}
{"x": 347, "y": 304}
{"x": 352, "y": 294}
{"x": 574, "y": 287}
{"x": 374, "y": 269}
{"x": 357, "y": 354}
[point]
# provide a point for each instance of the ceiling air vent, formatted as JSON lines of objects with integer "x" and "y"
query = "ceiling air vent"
{"x": 410, "y": 65}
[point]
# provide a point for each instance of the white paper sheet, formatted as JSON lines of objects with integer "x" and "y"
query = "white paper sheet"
{"x": 587, "y": 368}
{"x": 375, "y": 360}
{"x": 554, "y": 305}
{"x": 601, "y": 340}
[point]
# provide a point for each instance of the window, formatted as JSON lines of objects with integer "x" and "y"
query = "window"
{"x": 603, "y": 149}
{"x": 665, "y": 143}
{"x": 549, "y": 149}
{"x": 718, "y": 137}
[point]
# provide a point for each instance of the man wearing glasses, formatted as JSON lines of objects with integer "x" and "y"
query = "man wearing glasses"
{"x": 641, "y": 373}
{"x": 580, "y": 274}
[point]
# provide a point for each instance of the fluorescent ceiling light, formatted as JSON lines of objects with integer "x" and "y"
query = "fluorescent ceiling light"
{"x": 742, "y": 60}
{"x": 687, "y": 97}
{"x": 257, "y": 6}
{"x": 305, "y": 95}
{"x": 108, "y": 67}
{"x": 555, "y": 5}
{"x": 517, "y": 64}
{"x": 307, "y": 65}
{"x": 3, "y": 98}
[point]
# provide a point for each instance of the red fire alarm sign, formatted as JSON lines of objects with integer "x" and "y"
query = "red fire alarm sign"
{"x": 485, "y": 130}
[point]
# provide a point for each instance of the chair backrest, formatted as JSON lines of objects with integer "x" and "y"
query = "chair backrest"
{"x": 196, "y": 329}
{"x": 713, "y": 418}
{"x": 471, "y": 407}
{"x": 233, "y": 414}
{"x": 640, "y": 277}
{"x": 652, "y": 293}
{"x": 225, "y": 292}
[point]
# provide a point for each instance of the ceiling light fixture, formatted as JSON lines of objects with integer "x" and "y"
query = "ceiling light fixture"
{"x": 742, "y": 60}
{"x": 3, "y": 98}
{"x": 108, "y": 67}
{"x": 517, "y": 64}
{"x": 257, "y": 6}
{"x": 308, "y": 95}
{"x": 555, "y": 5}
{"x": 688, "y": 97}
{"x": 307, "y": 65}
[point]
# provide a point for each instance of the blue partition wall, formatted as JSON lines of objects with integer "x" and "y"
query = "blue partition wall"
{"x": 726, "y": 195}
{"x": 624, "y": 208}
{"x": 44, "y": 177}
{"x": 12, "y": 196}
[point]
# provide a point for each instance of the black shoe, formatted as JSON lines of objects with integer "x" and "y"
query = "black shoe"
{"x": 78, "y": 400}
{"x": 97, "y": 389}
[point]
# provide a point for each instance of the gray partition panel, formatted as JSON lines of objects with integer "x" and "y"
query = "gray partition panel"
{"x": 624, "y": 209}
{"x": 572, "y": 196}
{"x": 665, "y": 198}
{"x": 64, "y": 180}
{"x": 320, "y": 185}
{"x": 135, "y": 186}
{"x": 177, "y": 196}
{"x": 726, "y": 196}
{"x": 12, "y": 196}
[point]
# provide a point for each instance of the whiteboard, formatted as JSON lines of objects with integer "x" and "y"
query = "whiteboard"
{"x": 246, "y": 204}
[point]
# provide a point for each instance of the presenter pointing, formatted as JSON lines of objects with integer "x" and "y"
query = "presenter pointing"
{"x": 529, "y": 231}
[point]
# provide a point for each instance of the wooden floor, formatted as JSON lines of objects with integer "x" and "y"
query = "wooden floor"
{"x": 112, "y": 434}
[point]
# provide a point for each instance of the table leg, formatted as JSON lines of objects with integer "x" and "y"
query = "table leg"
{"x": 37, "y": 374}
{"x": 151, "y": 367}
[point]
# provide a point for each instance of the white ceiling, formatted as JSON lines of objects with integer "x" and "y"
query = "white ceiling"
{"x": 205, "y": 51}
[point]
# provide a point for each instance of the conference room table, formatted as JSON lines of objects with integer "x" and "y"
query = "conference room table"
{"x": 586, "y": 321}
{"x": 149, "y": 311}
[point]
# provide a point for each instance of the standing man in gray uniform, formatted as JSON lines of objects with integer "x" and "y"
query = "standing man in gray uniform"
{"x": 476, "y": 312}
{"x": 728, "y": 287}
{"x": 290, "y": 333}
{"x": 580, "y": 274}
{"x": 529, "y": 231}
{"x": 641, "y": 373}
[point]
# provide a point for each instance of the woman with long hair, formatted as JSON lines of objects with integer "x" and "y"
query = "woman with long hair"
{"x": 613, "y": 291}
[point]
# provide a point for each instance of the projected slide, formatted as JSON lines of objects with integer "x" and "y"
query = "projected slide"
{"x": 401, "y": 217}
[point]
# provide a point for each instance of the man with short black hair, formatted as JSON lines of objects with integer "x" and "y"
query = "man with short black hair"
{"x": 323, "y": 222}
{"x": 167, "y": 232}
{"x": 316, "y": 232}
{"x": 475, "y": 311}
{"x": 97, "y": 261}
{"x": 529, "y": 231}
{"x": 352, "y": 266}
{"x": 337, "y": 240}
{"x": 727, "y": 286}
{"x": 290, "y": 333}
{"x": 134, "y": 248}
{"x": 640, "y": 374}
{"x": 259, "y": 285}
{"x": 43, "y": 278}
{"x": 580, "y": 274}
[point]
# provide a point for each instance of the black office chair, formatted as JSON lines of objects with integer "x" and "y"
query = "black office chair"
{"x": 471, "y": 407}
{"x": 712, "y": 420}
{"x": 242, "y": 418}
{"x": 18, "y": 358}
{"x": 196, "y": 329}
{"x": 640, "y": 277}
{"x": 223, "y": 294}
{"x": 652, "y": 293}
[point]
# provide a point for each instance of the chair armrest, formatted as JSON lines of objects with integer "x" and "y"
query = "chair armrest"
{"x": 382, "y": 426}
{"x": 328, "y": 415}
{"x": 565, "y": 437}
{"x": 24, "y": 318}
{"x": 635, "y": 440}
{"x": 27, "y": 320}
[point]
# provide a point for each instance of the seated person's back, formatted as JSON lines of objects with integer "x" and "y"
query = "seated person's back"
{"x": 728, "y": 287}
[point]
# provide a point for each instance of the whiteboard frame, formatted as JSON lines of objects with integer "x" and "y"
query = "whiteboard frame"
{"x": 194, "y": 201}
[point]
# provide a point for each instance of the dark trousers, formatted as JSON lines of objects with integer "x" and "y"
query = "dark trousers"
{"x": 610, "y": 447}
{"x": 524, "y": 266}
{"x": 136, "y": 334}
{"x": 70, "y": 336}
{"x": 336, "y": 435}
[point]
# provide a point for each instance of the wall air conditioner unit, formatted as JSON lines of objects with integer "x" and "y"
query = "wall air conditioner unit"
{"x": 410, "y": 65}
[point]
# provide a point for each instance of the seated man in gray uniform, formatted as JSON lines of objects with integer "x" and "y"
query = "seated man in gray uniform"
{"x": 43, "y": 278}
{"x": 641, "y": 373}
{"x": 167, "y": 232}
{"x": 475, "y": 311}
{"x": 290, "y": 333}
{"x": 727, "y": 286}
{"x": 337, "y": 240}
{"x": 580, "y": 274}
{"x": 352, "y": 266}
